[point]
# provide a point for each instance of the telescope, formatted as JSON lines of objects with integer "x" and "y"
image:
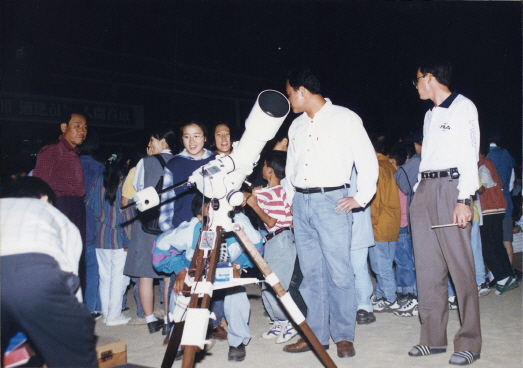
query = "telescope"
{"x": 222, "y": 178}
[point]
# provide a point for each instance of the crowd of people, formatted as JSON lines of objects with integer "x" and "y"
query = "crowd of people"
{"x": 431, "y": 214}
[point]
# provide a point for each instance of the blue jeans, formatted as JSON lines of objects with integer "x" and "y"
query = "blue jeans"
{"x": 217, "y": 301}
{"x": 92, "y": 293}
{"x": 475, "y": 241}
{"x": 404, "y": 258}
{"x": 237, "y": 310}
{"x": 381, "y": 258}
{"x": 280, "y": 255}
{"x": 363, "y": 283}
{"x": 139, "y": 309}
{"x": 323, "y": 244}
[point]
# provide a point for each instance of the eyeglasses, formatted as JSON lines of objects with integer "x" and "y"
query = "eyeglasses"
{"x": 415, "y": 81}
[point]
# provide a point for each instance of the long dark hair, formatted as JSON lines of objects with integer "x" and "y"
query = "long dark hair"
{"x": 113, "y": 174}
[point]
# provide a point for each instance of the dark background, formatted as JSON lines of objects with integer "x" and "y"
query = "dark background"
{"x": 208, "y": 60}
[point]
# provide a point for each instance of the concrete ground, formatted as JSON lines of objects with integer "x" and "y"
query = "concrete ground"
{"x": 384, "y": 343}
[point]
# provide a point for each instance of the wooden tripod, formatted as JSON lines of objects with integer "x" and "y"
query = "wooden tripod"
{"x": 289, "y": 304}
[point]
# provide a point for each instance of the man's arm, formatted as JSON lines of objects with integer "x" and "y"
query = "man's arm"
{"x": 45, "y": 161}
{"x": 366, "y": 163}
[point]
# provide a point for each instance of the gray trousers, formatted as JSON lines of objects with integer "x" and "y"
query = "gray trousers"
{"x": 438, "y": 252}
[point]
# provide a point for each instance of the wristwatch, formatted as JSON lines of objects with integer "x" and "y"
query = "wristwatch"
{"x": 466, "y": 202}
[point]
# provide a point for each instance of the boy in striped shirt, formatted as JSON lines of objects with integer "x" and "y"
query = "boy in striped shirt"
{"x": 271, "y": 206}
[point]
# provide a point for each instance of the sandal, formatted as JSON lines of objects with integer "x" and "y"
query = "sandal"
{"x": 422, "y": 350}
{"x": 463, "y": 358}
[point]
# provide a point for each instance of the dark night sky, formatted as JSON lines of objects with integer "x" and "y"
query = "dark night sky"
{"x": 365, "y": 52}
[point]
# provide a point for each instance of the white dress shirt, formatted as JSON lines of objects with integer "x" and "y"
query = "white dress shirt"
{"x": 323, "y": 150}
{"x": 451, "y": 139}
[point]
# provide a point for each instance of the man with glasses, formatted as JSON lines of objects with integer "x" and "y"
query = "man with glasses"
{"x": 448, "y": 179}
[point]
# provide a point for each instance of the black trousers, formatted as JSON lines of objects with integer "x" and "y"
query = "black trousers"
{"x": 37, "y": 300}
{"x": 494, "y": 252}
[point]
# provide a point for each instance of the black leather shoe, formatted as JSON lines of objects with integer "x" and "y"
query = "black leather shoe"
{"x": 237, "y": 354}
{"x": 155, "y": 326}
{"x": 364, "y": 318}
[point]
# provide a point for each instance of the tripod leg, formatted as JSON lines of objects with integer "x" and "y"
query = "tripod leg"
{"x": 172, "y": 348}
{"x": 287, "y": 301}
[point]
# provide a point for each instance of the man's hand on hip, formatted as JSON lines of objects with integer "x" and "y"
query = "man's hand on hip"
{"x": 347, "y": 204}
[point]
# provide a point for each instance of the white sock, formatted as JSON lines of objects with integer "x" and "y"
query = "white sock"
{"x": 502, "y": 282}
{"x": 150, "y": 318}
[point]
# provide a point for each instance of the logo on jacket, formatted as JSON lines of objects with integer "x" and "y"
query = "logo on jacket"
{"x": 444, "y": 126}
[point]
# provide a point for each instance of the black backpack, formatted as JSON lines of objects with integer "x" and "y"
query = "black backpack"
{"x": 150, "y": 218}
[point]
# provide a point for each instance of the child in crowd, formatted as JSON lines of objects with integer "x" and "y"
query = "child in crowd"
{"x": 173, "y": 253}
{"x": 113, "y": 238}
{"x": 404, "y": 254}
{"x": 280, "y": 251}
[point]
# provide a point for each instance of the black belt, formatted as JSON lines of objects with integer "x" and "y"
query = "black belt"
{"x": 269, "y": 236}
{"x": 438, "y": 174}
{"x": 319, "y": 190}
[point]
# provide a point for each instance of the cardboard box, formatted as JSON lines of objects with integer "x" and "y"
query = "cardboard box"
{"x": 110, "y": 352}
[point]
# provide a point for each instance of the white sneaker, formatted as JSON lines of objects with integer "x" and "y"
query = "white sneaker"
{"x": 287, "y": 332}
{"x": 120, "y": 320}
{"x": 385, "y": 306}
{"x": 275, "y": 330}
{"x": 453, "y": 303}
{"x": 483, "y": 289}
{"x": 409, "y": 309}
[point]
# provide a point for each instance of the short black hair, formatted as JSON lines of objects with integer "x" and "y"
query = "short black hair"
{"x": 90, "y": 144}
{"x": 193, "y": 122}
{"x": 303, "y": 76}
{"x": 276, "y": 160}
{"x": 418, "y": 137}
{"x": 27, "y": 187}
{"x": 66, "y": 116}
{"x": 484, "y": 147}
{"x": 197, "y": 203}
{"x": 166, "y": 134}
{"x": 380, "y": 143}
{"x": 440, "y": 69}
{"x": 399, "y": 153}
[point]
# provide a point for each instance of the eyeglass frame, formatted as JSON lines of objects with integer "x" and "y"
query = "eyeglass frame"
{"x": 416, "y": 81}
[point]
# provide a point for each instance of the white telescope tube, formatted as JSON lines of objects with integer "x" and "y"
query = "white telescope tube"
{"x": 226, "y": 174}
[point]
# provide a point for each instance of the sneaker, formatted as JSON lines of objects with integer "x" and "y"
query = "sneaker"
{"x": 453, "y": 303}
{"x": 364, "y": 318}
{"x": 275, "y": 330}
{"x": 237, "y": 354}
{"x": 287, "y": 332}
{"x": 483, "y": 289}
{"x": 96, "y": 315}
{"x": 408, "y": 309}
{"x": 509, "y": 285}
{"x": 386, "y": 306}
{"x": 119, "y": 320}
{"x": 374, "y": 299}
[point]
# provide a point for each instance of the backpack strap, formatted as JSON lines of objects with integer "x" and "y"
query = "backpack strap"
{"x": 160, "y": 158}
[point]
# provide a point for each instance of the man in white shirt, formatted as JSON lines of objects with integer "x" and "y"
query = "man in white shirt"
{"x": 39, "y": 259}
{"x": 448, "y": 179}
{"x": 324, "y": 144}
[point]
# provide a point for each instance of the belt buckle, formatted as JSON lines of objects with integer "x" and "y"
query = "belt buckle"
{"x": 434, "y": 175}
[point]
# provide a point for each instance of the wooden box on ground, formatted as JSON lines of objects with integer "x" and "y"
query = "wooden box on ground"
{"x": 110, "y": 352}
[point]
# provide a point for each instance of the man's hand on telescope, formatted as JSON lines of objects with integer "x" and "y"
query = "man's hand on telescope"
{"x": 347, "y": 204}
{"x": 179, "y": 281}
